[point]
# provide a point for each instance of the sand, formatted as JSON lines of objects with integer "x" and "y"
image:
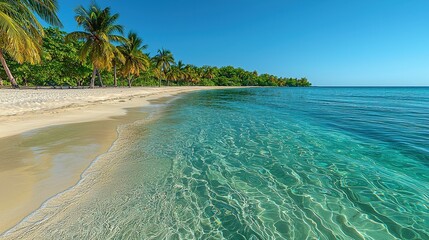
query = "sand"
{"x": 23, "y": 110}
{"x": 41, "y": 157}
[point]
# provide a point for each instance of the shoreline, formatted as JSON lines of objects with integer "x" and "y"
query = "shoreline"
{"x": 78, "y": 110}
{"x": 84, "y": 114}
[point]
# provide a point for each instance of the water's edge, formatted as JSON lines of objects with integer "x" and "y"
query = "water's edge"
{"x": 154, "y": 111}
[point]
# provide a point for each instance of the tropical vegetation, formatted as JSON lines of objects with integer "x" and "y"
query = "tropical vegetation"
{"x": 100, "y": 32}
{"x": 21, "y": 32}
{"x": 35, "y": 56}
{"x": 135, "y": 60}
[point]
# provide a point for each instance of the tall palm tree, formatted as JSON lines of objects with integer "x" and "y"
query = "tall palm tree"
{"x": 209, "y": 72}
{"x": 157, "y": 72}
{"x": 134, "y": 58}
{"x": 100, "y": 31}
{"x": 163, "y": 60}
{"x": 181, "y": 65}
{"x": 192, "y": 73}
{"x": 21, "y": 32}
{"x": 174, "y": 74}
{"x": 118, "y": 59}
{"x": 181, "y": 70}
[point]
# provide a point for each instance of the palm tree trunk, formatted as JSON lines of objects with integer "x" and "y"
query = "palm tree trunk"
{"x": 115, "y": 80}
{"x": 129, "y": 81}
{"x": 99, "y": 78}
{"x": 7, "y": 70}
{"x": 94, "y": 73}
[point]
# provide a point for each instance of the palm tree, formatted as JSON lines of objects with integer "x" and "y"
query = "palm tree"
{"x": 21, "y": 32}
{"x": 174, "y": 74}
{"x": 209, "y": 72}
{"x": 188, "y": 72}
{"x": 134, "y": 58}
{"x": 163, "y": 60}
{"x": 181, "y": 70}
{"x": 181, "y": 65}
{"x": 192, "y": 73}
{"x": 118, "y": 59}
{"x": 157, "y": 72}
{"x": 100, "y": 30}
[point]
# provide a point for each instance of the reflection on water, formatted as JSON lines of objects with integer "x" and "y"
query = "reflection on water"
{"x": 258, "y": 164}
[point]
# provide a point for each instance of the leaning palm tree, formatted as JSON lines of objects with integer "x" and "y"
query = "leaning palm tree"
{"x": 100, "y": 31}
{"x": 134, "y": 58}
{"x": 21, "y": 32}
{"x": 163, "y": 60}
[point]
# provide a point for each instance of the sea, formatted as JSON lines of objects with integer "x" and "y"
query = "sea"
{"x": 257, "y": 163}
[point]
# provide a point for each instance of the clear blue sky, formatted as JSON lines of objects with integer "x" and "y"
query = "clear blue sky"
{"x": 331, "y": 42}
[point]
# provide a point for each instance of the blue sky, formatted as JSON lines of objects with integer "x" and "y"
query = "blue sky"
{"x": 331, "y": 42}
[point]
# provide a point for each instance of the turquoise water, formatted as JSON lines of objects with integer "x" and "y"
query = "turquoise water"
{"x": 268, "y": 163}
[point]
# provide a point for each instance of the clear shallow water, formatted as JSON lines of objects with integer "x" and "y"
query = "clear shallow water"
{"x": 273, "y": 163}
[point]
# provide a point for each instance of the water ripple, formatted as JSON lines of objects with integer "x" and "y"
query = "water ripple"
{"x": 268, "y": 164}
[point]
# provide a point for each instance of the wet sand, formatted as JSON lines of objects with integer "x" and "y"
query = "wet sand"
{"x": 41, "y": 163}
{"x": 44, "y": 153}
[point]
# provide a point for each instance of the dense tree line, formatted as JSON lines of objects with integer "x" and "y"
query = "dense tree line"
{"x": 100, "y": 55}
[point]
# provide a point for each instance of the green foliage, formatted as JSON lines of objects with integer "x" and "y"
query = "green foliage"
{"x": 99, "y": 33}
{"x": 230, "y": 76}
{"x": 21, "y": 32}
{"x": 20, "y": 29}
{"x": 50, "y": 57}
{"x": 100, "y": 30}
{"x": 207, "y": 82}
{"x": 135, "y": 61}
{"x": 59, "y": 66}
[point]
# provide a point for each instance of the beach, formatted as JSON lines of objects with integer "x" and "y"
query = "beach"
{"x": 309, "y": 121}
{"x": 48, "y": 137}
{"x": 23, "y": 110}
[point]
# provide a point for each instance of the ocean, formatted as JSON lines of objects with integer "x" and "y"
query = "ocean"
{"x": 258, "y": 163}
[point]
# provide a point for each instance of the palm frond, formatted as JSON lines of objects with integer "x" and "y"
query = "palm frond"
{"x": 78, "y": 35}
{"x": 45, "y": 9}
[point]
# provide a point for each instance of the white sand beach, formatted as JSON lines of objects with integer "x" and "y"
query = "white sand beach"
{"x": 23, "y": 110}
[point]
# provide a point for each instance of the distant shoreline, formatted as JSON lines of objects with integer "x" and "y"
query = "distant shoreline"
{"x": 368, "y": 87}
